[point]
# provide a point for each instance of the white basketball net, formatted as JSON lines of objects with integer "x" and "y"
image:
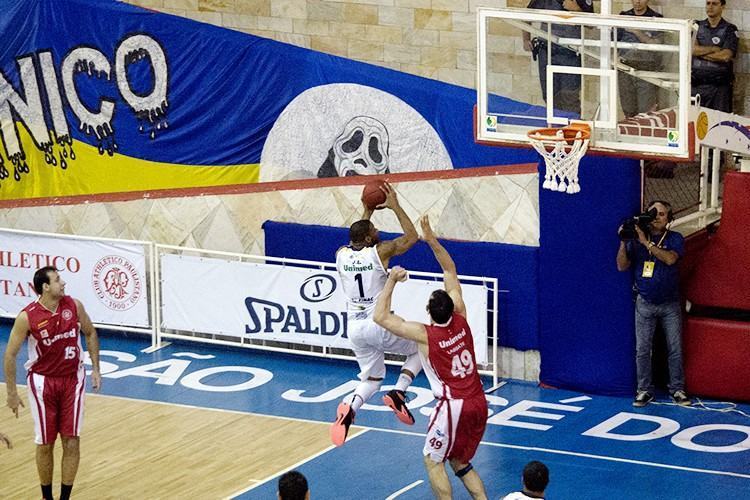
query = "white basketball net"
{"x": 561, "y": 159}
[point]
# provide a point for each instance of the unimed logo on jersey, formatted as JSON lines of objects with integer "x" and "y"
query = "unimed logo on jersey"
{"x": 116, "y": 282}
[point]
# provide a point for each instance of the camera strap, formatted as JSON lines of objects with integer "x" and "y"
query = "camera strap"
{"x": 648, "y": 265}
{"x": 661, "y": 240}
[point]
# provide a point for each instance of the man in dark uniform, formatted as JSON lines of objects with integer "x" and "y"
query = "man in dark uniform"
{"x": 713, "y": 53}
{"x": 637, "y": 95}
{"x": 566, "y": 87}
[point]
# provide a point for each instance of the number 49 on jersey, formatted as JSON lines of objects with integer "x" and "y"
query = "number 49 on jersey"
{"x": 462, "y": 364}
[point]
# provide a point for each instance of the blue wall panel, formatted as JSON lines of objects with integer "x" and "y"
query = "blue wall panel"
{"x": 514, "y": 266}
{"x": 586, "y": 311}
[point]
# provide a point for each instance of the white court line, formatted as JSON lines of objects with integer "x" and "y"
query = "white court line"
{"x": 209, "y": 408}
{"x": 617, "y": 459}
{"x": 575, "y": 400}
{"x": 496, "y": 387}
{"x": 418, "y": 434}
{"x": 404, "y": 489}
{"x": 586, "y": 455}
{"x": 253, "y": 481}
{"x": 90, "y": 393}
{"x": 301, "y": 462}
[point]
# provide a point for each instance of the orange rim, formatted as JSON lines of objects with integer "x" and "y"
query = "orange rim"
{"x": 568, "y": 134}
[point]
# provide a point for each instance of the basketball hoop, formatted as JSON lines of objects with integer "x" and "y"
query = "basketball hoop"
{"x": 562, "y": 150}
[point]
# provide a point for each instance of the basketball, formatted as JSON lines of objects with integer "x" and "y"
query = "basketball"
{"x": 372, "y": 195}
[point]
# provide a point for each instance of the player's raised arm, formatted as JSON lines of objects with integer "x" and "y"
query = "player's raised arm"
{"x": 394, "y": 323}
{"x": 366, "y": 212}
{"x": 450, "y": 275}
{"x": 400, "y": 245}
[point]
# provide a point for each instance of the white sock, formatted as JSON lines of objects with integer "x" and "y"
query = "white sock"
{"x": 403, "y": 383}
{"x": 364, "y": 391}
{"x": 412, "y": 364}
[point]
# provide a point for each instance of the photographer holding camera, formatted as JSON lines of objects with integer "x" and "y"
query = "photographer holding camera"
{"x": 652, "y": 251}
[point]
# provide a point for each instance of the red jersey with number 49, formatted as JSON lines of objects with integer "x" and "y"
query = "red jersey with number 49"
{"x": 54, "y": 341}
{"x": 452, "y": 367}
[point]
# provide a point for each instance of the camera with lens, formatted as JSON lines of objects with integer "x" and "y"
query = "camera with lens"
{"x": 627, "y": 230}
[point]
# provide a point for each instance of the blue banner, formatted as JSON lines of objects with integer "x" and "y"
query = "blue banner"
{"x": 102, "y": 97}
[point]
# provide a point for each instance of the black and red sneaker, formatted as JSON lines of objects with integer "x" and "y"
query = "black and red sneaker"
{"x": 396, "y": 401}
{"x": 340, "y": 428}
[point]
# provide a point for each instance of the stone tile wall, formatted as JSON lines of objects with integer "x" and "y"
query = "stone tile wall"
{"x": 499, "y": 208}
{"x": 430, "y": 38}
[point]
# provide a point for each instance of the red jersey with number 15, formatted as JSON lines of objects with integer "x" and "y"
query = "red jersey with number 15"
{"x": 452, "y": 367}
{"x": 54, "y": 339}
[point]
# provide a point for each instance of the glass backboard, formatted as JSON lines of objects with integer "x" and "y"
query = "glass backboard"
{"x": 628, "y": 77}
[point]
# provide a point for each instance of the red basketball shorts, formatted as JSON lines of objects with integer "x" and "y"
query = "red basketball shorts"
{"x": 456, "y": 428}
{"x": 56, "y": 403}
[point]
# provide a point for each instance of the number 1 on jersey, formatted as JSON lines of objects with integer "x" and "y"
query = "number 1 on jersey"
{"x": 358, "y": 279}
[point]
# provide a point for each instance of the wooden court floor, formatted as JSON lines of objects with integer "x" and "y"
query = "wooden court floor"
{"x": 170, "y": 444}
{"x": 137, "y": 449}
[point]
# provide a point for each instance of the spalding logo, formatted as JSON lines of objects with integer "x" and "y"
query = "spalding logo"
{"x": 317, "y": 288}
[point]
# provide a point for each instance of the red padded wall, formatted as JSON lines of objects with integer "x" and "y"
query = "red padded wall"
{"x": 715, "y": 357}
{"x": 722, "y": 276}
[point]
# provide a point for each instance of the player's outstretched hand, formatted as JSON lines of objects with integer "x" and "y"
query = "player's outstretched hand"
{"x": 391, "y": 200}
{"x": 96, "y": 380}
{"x": 5, "y": 439}
{"x": 427, "y": 234}
{"x": 398, "y": 273}
{"x": 14, "y": 402}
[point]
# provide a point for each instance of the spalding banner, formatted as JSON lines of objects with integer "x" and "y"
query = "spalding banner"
{"x": 98, "y": 96}
{"x": 284, "y": 303}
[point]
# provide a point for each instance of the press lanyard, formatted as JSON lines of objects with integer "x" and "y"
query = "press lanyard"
{"x": 658, "y": 245}
{"x": 650, "y": 264}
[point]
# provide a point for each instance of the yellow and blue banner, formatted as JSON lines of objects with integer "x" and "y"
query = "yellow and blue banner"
{"x": 101, "y": 97}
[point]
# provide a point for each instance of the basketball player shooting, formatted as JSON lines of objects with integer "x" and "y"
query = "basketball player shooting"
{"x": 446, "y": 348}
{"x": 361, "y": 266}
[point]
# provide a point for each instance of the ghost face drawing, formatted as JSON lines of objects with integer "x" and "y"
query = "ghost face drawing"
{"x": 360, "y": 149}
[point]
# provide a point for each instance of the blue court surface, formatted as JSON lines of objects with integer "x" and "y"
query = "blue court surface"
{"x": 596, "y": 447}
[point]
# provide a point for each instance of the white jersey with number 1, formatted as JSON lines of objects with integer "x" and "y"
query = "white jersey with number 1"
{"x": 362, "y": 279}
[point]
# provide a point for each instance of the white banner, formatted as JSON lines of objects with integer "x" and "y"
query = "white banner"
{"x": 109, "y": 278}
{"x": 283, "y": 303}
